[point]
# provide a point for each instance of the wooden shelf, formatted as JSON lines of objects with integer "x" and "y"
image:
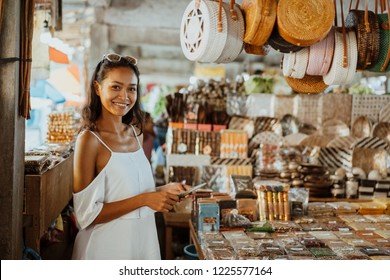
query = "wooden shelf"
{"x": 46, "y": 196}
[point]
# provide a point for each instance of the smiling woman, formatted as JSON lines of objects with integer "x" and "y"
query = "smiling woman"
{"x": 114, "y": 191}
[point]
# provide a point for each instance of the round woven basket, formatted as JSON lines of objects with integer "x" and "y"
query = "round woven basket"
{"x": 199, "y": 36}
{"x": 383, "y": 21}
{"x": 338, "y": 74}
{"x": 235, "y": 30}
{"x": 367, "y": 39}
{"x": 305, "y": 22}
{"x": 295, "y": 63}
{"x": 260, "y": 17}
{"x": 257, "y": 50}
{"x": 308, "y": 84}
{"x": 278, "y": 43}
{"x": 321, "y": 55}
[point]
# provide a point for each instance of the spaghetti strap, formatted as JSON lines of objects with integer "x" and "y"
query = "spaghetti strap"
{"x": 101, "y": 141}
{"x": 135, "y": 134}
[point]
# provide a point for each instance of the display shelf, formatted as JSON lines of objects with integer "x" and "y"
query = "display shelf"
{"x": 46, "y": 195}
{"x": 194, "y": 240}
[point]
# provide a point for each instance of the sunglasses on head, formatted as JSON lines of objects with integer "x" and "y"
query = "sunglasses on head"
{"x": 113, "y": 57}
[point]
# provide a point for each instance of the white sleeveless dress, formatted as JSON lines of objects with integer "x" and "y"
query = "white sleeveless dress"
{"x": 132, "y": 236}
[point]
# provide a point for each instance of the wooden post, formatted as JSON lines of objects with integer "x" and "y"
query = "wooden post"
{"x": 12, "y": 137}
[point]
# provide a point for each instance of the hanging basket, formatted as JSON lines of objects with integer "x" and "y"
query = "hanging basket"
{"x": 341, "y": 73}
{"x": 308, "y": 85}
{"x": 235, "y": 30}
{"x": 260, "y": 17}
{"x": 321, "y": 55}
{"x": 200, "y": 38}
{"x": 366, "y": 27}
{"x": 305, "y": 22}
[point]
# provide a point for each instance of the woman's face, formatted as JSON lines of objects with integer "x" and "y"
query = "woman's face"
{"x": 118, "y": 91}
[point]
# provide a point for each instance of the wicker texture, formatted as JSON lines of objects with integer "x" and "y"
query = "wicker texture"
{"x": 369, "y": 105}
{"x": 338, "y": 74}
{"x": 308, "y": 84}
{"x": 260, "y": 17}
{"x": 296, "y": 63}
{"x": 235, "y": 29}
{"x": 278, "y": 43}
{"x": 305, "y": 22}
{"x": 384, "y": 114}
{"x": 321, "y": 55}
{"x": 367, "y": 40}
{"x": 383, "y": 21}
{"x": 199, "y": 36}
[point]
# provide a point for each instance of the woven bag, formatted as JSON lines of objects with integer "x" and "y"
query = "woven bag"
{"x": 235, "y": 30}
{"x": 203, "y": 31}
{"x": 321, "y": 55}
{"x": 308, "y": 84}
{"x": 260, "y": 17}
{"x": 295, "y": 63}
{"x": 257, "y": 50}
{"x": 338, "y": 74}
{"x": 382, "y": 64}
{"x": 278, "y": 43}
{"x": 344, "y": 62}
{"x": 305, "y": 22}
{"x": 366, "y": 27}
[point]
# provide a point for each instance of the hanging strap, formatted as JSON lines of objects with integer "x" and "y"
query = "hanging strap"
{"x": 232, "y": 11}
{"x": 101, "y": 141}
{"x": 345, "y": 60}
{"x": 136, "y": 137}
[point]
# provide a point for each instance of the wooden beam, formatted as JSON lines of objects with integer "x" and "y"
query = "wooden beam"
{"x": 11, "y": 142}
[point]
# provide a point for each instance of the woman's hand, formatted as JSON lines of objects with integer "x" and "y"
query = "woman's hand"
{"x": 161, "y": 201}
{"x": 174, "y": 188}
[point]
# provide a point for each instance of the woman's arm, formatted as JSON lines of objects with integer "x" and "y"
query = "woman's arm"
{"x": 86, "y": 153}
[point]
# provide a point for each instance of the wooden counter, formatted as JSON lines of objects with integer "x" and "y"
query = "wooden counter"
{"x": 46, "y": 195}
{"x": 171, "y": 220}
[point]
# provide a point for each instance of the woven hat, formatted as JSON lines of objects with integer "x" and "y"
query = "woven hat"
{"x": 278, "y": 43}
{"x": 321, "y": 55}
{"x": 305, "y": 22}
{"x": 308, "y": 84}
{"x": 199, "y": 36}
{"x": 260, "y": 17}
{"x": 339, "y": 73}
{"x": 235, "y": 30}
{"x": 383, "y": 21}
{"x": 366, "y": 27}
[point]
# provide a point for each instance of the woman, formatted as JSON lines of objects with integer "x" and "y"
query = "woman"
{"x": 114, "y": 192}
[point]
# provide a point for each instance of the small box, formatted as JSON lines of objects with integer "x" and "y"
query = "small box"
{"x": 208, "y": 217}
{"x": 191, "y": 126}
{"x": 175, "y": 125}
{"x": 204, "y": 127}
{"x": 218, "y": 127}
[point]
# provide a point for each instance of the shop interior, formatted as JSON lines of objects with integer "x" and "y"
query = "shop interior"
{"x": 296, "y": 164}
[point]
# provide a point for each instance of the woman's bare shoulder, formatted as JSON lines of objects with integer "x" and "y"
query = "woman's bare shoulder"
{"x": 86, "y": 140}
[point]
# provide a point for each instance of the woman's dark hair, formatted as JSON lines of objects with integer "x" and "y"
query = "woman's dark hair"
{"x": 93, "y": 109}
